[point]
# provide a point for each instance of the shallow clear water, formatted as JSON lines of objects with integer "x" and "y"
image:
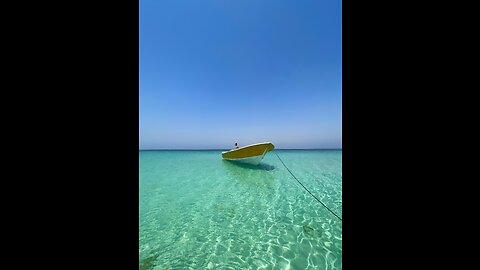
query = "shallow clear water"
{"x": 198, "y": 211}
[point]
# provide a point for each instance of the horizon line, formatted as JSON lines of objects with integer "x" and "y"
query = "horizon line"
{"x": 183, "y": 149}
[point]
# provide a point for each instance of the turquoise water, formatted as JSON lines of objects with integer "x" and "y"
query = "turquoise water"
{"x": 198, "y": 211}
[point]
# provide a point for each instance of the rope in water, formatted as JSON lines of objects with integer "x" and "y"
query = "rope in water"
{"x": 307, "y": 189}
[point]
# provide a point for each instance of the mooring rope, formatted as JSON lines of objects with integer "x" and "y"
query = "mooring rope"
{"x": 307, "y": 188}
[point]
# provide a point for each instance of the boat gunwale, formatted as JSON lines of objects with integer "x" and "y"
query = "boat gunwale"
{"x": 233, "y": 150}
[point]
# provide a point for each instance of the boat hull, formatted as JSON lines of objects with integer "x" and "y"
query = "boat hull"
{"x": 250, "y": 154}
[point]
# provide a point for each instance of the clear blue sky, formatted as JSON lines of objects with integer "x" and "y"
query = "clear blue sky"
{"x": 216, "y": 72}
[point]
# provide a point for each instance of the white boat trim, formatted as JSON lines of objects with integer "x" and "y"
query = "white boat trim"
{"x": 233, "y": 150}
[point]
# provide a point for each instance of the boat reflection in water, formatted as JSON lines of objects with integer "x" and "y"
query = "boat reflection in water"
{"x": 261, "y": 177}
{"x": 261, "y": 166}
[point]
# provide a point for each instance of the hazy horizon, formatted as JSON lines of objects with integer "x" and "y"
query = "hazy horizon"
{"x": 232, "y": 147}
{"x": 165, "y": 149}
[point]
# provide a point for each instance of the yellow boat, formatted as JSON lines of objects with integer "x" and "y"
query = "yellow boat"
{"x": 251, "y": 154}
